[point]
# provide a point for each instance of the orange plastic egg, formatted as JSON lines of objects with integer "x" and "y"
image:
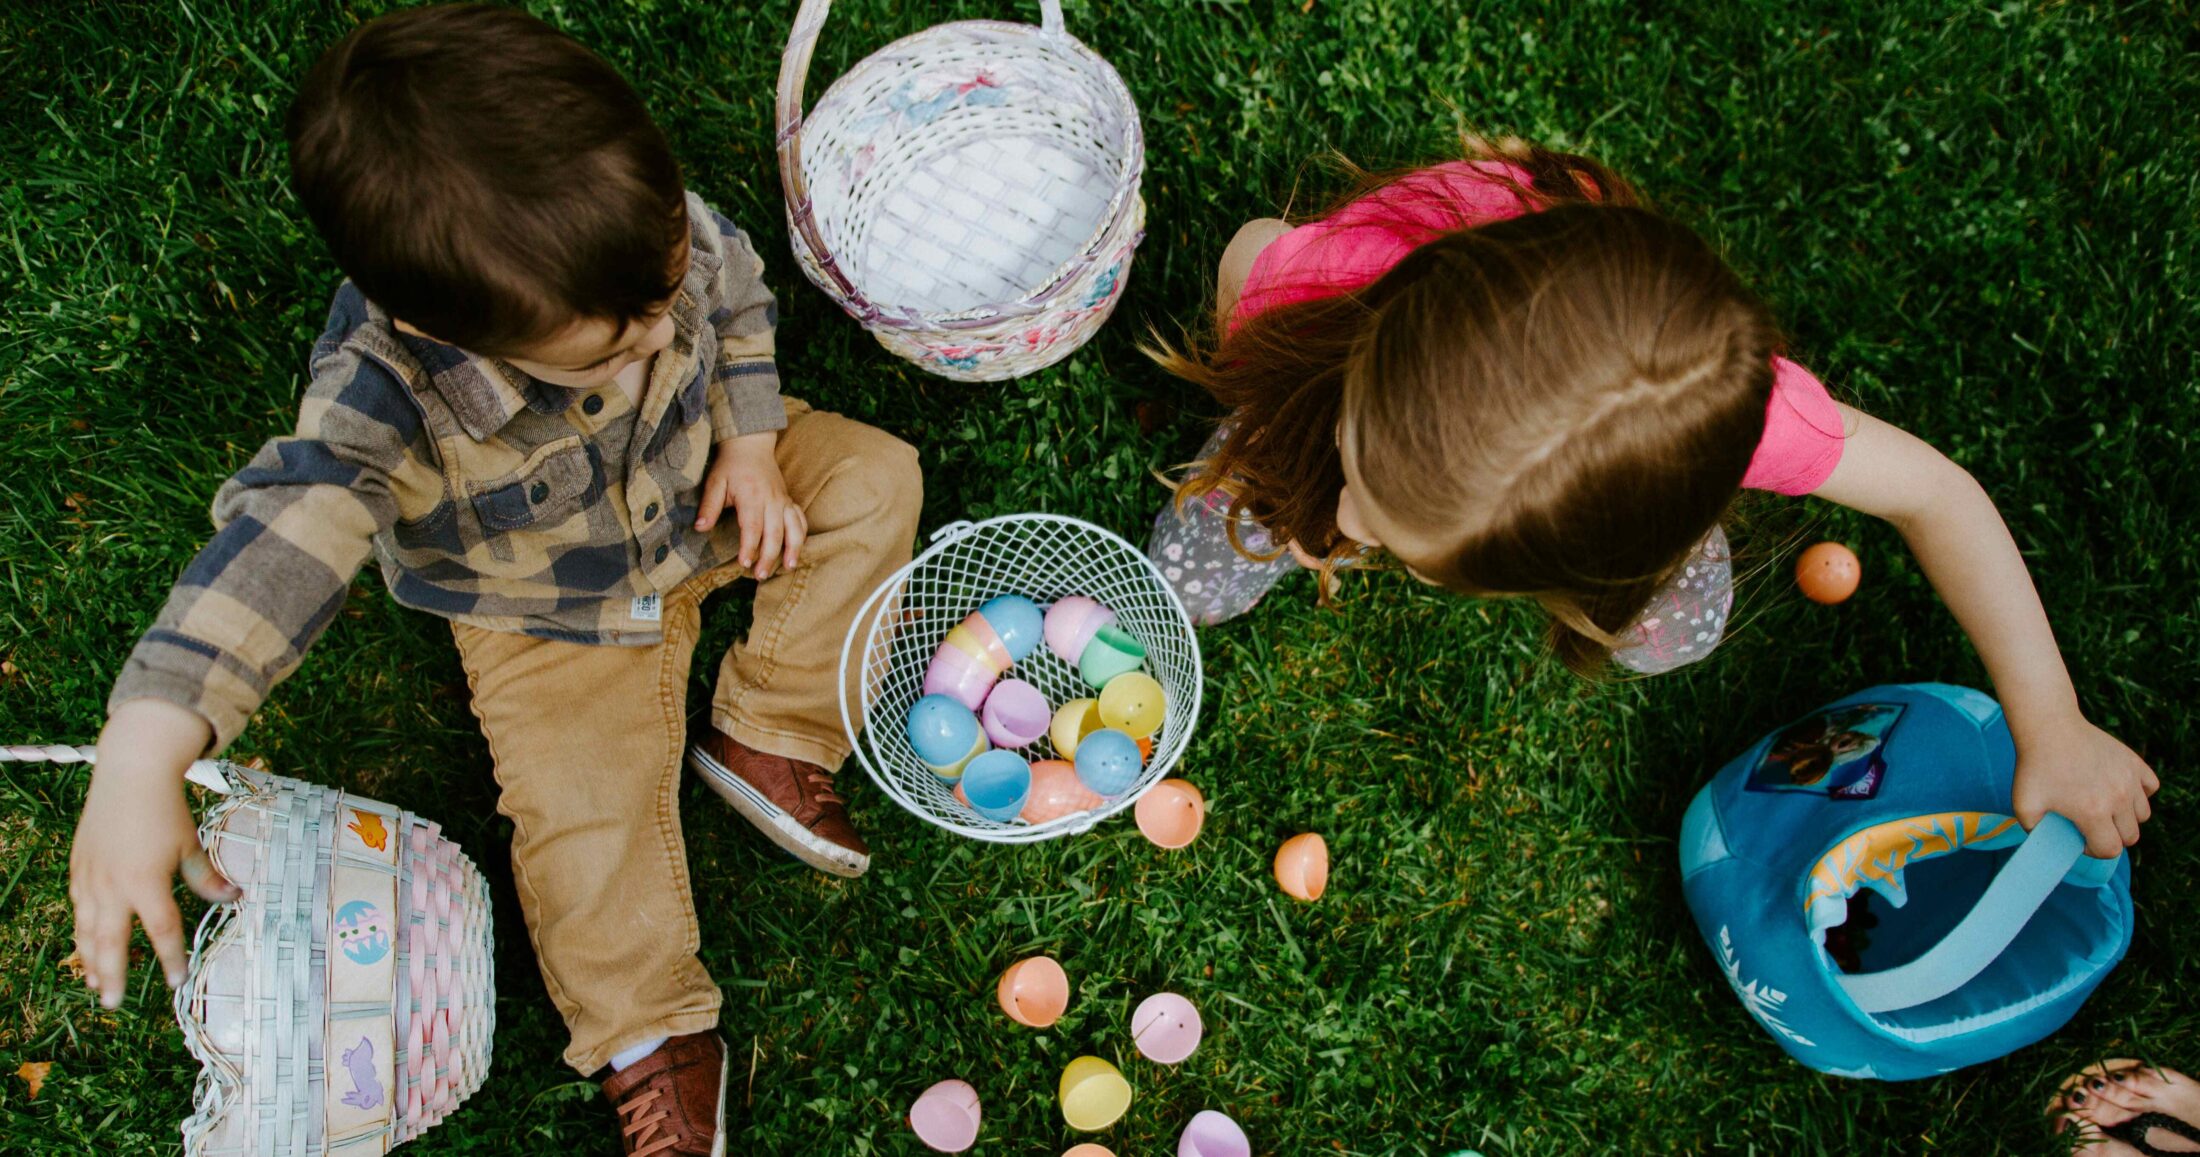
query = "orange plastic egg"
{"x": 1056, "y": 792}
{"x": 1034, "y": 991}
{"x": 1302, "y": 866}
{"x": 1828, "y": 573}
{"x": 1171, "y": 814}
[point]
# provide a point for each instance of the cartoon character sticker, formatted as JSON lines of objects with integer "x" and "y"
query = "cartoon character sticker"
{"x": 366, "y": 1088}
{"x": 363, "y": 932}
{"x": 368, "y": 827}
{"x": 1839, "y": 754}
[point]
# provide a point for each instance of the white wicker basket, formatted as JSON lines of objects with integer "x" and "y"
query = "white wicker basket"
{"x": 347, "y": 1003}
{"x": 1043, "y": 557}
{"x": 969, "y": 193}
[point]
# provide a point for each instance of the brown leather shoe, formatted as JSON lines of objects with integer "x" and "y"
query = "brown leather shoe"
{"x": 673, "y": 1101}
{"x": 791, "y": 802}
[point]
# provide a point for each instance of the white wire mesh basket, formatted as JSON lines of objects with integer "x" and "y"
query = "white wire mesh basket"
{"x": 1043, "y": 557}
{"x": 969, "y": 193}
{"x": 347, "y": 1003}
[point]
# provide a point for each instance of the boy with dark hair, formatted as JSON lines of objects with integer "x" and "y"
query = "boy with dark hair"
{"x": 548, "y": 375}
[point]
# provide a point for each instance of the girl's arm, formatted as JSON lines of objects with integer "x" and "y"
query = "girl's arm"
{"x": 2064, "y": 763}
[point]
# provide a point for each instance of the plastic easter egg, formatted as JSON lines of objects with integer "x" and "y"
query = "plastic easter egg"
{"x": 1034, "y": 991}
{"x": 1088, "y": 1149}
{"x": 942, "y": 732}
{"x": 1070, "y": 625}
{"x": 954, "y": 673}
{"x": 1107, "y": 762}
{"x": 1166, "y": 1028}
{"x": 953, "y": 771}
{"x": 1019, "y": 623}
{"x": 1210, "y": 1134}
{"x": 1828, "y": 573}
{"x": 1111, "y": 653}
{"x": 1302, "y": 866}
{"x": 1056, "y": 792}
{"x": 1133, "y": 704}
{"x": 945, "y": 1116}
{"x": 1073, "y": 721}
{"x": 1171, "y": 814}
{"x": 974, "y": 637}
{"x": 996, "y": 784}
{"x": 1094, "y": 1094}
{"x": 1015, "y": 714}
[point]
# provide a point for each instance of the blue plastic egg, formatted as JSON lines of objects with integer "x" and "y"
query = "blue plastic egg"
{"x": 997, "y": 784}
{"x": 1108, "y": 761}
{"x": 1018, "y": 621}
{"x": 944, "y": 733}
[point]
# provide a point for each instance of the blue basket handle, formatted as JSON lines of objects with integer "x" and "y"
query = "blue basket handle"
{"x": 2051, "y": 853}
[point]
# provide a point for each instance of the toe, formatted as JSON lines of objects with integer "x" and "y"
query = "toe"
{"x": 2091, "y": 1107}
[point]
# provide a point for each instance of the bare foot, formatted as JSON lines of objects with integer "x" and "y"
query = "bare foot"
{"x": 2101, "y": 1097}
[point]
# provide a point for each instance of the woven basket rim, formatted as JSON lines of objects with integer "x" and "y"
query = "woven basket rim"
{"x": 1130, "y": 173}
{"x": 864, "y": 627}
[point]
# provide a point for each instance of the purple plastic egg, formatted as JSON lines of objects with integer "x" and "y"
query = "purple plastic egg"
{"x": 1016, "y": 714}
{"x": 1071, "y": 623}
{"x": 955, "y": 674}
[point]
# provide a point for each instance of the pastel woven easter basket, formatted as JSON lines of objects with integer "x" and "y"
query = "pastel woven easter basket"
{"x": 346, "y": 1004}
{"x": 1043, "y": 557}
{"x": 969, "y": 193}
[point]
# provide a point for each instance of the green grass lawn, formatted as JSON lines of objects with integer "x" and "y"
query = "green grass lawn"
{"x": 1976, "y": 219}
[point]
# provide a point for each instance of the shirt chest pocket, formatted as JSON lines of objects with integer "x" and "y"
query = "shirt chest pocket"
{"x": 556, "y": 482}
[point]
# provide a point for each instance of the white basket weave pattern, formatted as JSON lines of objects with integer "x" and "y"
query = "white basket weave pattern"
{"x": 347, "y": 1002}
{"x": 969, "y": 193}
{"x": 1041, "y": 556}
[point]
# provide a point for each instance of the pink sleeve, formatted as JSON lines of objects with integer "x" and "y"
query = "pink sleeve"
{"x": 1352, "y": 248}
{"x": 1803, "y": 437}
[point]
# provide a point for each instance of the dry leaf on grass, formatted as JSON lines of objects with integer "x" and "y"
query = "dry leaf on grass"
{"x": 34, "y": 1075}
{"x": 73, "y": 964}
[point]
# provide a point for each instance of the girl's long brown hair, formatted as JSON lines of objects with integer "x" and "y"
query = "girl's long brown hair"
{"x": 1559, "y": 405}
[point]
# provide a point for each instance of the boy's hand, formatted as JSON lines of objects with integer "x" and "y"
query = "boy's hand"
{"x": 135, "y": 834}
{"x": 2090, "y": 778}
{"x": 746, "y": 475}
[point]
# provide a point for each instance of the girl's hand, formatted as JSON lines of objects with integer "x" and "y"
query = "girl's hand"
{"x": 135, "y": 834}
{"x": 745, "y": 475}
{"x": 2090, "y": 778}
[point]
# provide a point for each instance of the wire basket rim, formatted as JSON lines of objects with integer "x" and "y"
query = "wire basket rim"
{"x": 865, "y": 626}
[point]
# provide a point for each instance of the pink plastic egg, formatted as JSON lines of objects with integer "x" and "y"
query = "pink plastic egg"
{"x": 1166, "y": 1028}
{"x": 1070, "y": 625}
{"x": 1056, "y": 792}
{"x": 955, "y": 674}
{"x": 945, "y": 1116}
{"x": 1210, "y": 1134}
{"x": 1016, "y": 714}
{"x": 977, "y": 638}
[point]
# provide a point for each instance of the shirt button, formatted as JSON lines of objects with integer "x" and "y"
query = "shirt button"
{"x": 663, "y": 551}
{"x": 538, "y": 492}
{"x": 650, "y": 515}
{"x": 592, "y": 405}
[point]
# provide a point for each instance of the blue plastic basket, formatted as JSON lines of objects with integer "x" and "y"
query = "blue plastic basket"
{"x": 1869, "y": 896}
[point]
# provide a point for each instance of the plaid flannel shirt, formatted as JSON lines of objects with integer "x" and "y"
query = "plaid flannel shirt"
{"x": 489, "y": 498}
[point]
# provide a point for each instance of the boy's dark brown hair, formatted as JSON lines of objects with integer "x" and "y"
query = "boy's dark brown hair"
{"x": 1556, "y": 406}
{"x": 487, "y": 179}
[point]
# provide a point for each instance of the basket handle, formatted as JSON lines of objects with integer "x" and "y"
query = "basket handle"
{"x": 2053, "y": 853}
{"x": 207, "y": 773}
{"x": 794, "y": 70}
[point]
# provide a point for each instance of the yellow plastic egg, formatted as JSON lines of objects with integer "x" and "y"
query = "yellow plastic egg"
{"x": 1133, "y": 704}
{"x": 1094, "y": 1094}
{"x": 1072, "y": 723}
{"x": 1088, "y": 1149}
